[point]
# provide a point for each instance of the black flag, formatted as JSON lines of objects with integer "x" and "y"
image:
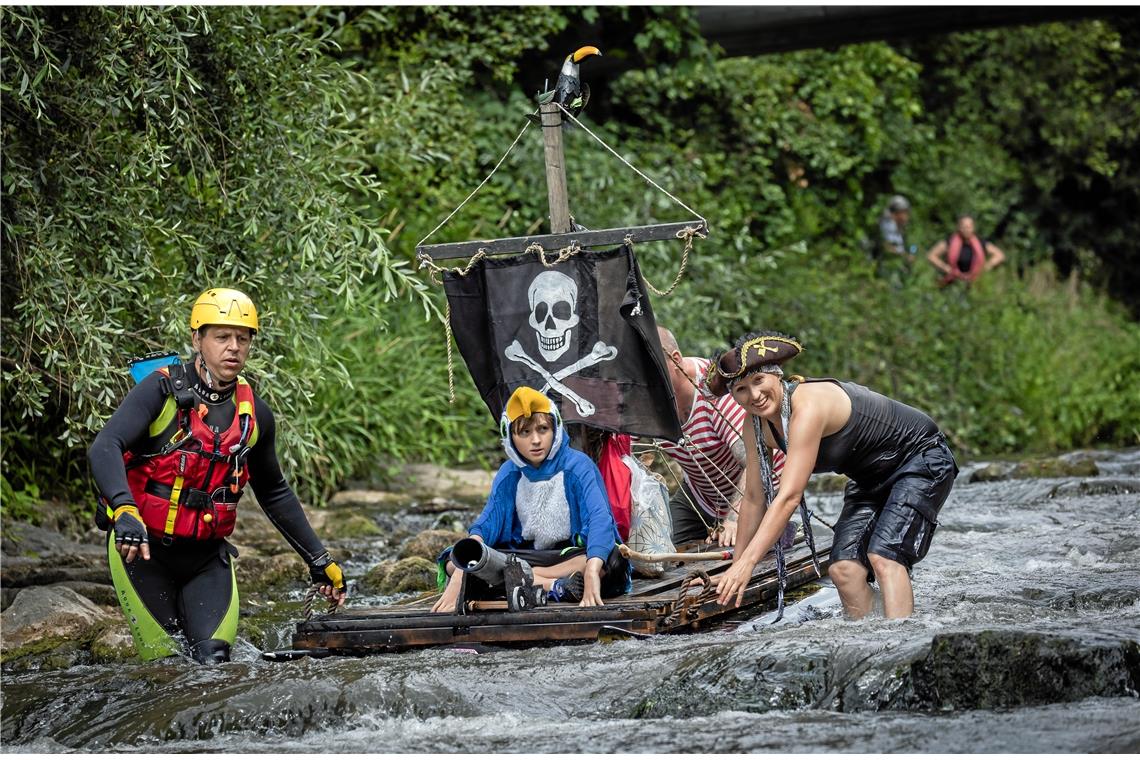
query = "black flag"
{"x": 581, "y": 330}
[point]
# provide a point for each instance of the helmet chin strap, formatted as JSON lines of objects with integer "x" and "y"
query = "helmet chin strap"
{"x": 208, "y": 377}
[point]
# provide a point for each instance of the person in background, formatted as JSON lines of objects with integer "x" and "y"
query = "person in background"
{"x": 892, "y": 231}
{"x": 964, "y": 256}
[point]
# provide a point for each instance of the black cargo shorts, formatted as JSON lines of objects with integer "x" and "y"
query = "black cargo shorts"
{"x": 896, "y": 519}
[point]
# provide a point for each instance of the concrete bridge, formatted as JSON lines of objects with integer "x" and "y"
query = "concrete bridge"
{"x": 754, "y": 30}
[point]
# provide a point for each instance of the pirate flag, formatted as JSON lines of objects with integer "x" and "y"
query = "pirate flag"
{"x": 581, "y": 330}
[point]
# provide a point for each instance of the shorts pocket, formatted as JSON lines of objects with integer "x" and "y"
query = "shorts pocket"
{"x": 919, "y": 531}
{"x": 939, "y": 463}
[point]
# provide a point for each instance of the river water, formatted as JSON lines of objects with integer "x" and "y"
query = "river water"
{"x": 1026, "y": 638}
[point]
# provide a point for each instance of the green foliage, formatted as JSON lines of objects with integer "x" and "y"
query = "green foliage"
{"x": 136, "y": 143}
{"x": 1037, "y": 131}
{"x": 300, "y": 153}
{"x": 19, "y": 505}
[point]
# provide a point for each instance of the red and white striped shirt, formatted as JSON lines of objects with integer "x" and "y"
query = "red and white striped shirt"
{"x": 711, "y": 451}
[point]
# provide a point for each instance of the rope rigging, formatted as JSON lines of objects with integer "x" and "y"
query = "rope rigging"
{"x": 435, "y": 271}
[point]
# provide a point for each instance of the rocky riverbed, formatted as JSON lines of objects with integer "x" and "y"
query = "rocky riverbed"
{"x": 1026, "y": 638}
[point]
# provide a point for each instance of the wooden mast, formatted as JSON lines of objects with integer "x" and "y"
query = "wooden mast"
{"x": 556, "y": 193}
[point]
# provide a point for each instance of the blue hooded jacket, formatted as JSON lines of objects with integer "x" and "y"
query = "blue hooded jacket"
{"x": 590, "y": 517}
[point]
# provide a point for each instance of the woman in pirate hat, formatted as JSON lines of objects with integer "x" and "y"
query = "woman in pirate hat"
{"x": 897, "y": 460}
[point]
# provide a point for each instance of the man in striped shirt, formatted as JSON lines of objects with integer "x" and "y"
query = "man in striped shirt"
{"x": 710, "y": 453}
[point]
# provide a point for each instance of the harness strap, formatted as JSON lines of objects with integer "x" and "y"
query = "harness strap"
{"x": 175, "y": 495}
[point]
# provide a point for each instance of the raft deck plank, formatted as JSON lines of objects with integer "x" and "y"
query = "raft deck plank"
{"x": 655, "y": 606}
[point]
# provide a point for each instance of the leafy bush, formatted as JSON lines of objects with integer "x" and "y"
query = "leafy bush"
{"x": 300, "y": 153}
{"x": 136, "y": 148}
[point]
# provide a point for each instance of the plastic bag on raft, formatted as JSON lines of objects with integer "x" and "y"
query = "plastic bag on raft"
{"x": 651, "y": 528}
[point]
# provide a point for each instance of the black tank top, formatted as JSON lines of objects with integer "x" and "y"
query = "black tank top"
{"x": 880, "y": 436}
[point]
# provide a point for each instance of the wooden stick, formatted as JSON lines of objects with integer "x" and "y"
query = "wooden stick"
{"x": 673, "y": 557}
{"x": 556, "y": 193}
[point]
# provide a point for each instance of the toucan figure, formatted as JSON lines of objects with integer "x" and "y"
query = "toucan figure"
{"x": 569, "y": 91}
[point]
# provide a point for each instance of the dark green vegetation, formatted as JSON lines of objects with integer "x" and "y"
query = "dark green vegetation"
{"x": 302, "y": 153}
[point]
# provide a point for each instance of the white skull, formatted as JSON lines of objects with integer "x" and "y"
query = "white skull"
{"x": 553, "y": 301}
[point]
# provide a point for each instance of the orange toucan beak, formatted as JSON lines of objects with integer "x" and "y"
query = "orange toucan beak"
{"x": 582, "y": 52}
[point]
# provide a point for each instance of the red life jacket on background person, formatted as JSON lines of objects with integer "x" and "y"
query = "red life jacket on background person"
{"x": 954, "y": 253}
{"x": 617, "y": 479}
{"x": 191, "y": 487}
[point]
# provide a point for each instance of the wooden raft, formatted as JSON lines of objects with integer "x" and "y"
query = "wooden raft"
{"x": 656, "y": 605}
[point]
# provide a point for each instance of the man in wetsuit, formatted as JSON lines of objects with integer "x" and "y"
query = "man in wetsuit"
{"x": 170, "y": 466}
{"x": 964, "y": 256}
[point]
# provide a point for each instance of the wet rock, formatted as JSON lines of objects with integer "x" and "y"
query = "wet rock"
{"x": 452, "y": 522}
{"x": 343, "y": 524}
{"x": 261, "y": 573}
{"x": 19, "y": 572}
{"x": 254, "y": 530}
{"x": 995, "y": 669}
{"x": 1057, "y": 467}
{"x": 25, "y": 540}
{"x": 1097, "y": 487}
{"x": 41, "y": 619}
{"x": 365, "y": 499}
{"x": 410, "y": 574}
{"x": 114, "y": 644}
{"x": 100, "y": 593}
{"x": 430, "y": 543}
{"x": 828, "y": 482}
{"x": 428, "y": 480}
{"x": 992, "y": 471}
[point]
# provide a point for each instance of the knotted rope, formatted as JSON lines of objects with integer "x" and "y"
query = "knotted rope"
{"x": 310, "y": 597}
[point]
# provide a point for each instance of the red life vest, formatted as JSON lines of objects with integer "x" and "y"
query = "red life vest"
{"x": 617, "y": 479}
{"x": 190, "y": 489}
{"x": 954, "y": 251}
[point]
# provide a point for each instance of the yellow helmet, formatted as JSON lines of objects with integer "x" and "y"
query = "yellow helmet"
{"x": 223, "y": 306}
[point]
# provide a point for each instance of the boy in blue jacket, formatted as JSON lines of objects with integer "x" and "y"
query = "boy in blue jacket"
{"x": 548, "y": 507}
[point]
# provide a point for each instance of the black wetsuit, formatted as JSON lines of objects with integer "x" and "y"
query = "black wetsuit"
{"x": 900, "y": 471}
{"x": 187, "y": 584}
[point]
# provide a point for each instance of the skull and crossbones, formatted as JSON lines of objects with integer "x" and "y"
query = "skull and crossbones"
{"x": 553, "y": 299}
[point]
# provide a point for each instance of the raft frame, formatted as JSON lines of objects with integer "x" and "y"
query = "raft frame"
{"x": 656, "y": 606}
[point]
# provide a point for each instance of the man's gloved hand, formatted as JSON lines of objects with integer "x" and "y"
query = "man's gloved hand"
{"x": 329, "y": 578}
{"x": 130, "y": 533}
